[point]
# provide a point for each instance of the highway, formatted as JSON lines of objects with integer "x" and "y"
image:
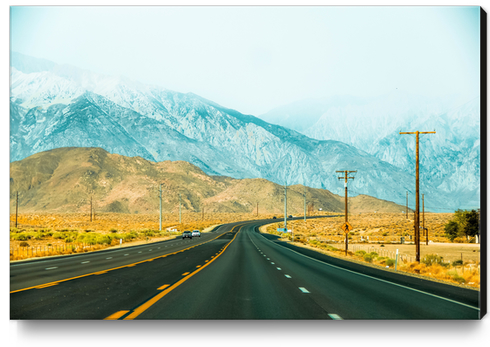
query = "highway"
{"x": 233, "y": 272}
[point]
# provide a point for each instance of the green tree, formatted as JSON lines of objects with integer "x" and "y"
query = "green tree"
{"x": 464, "y": 223}
{"x": 451, "y": 230}
{"x": 472, "y": 225}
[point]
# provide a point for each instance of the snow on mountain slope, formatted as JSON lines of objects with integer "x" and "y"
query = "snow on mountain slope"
{"x": 67, "y": 106}
{"x": 449, "y": 159}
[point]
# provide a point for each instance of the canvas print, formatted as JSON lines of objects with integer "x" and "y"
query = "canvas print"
{"x": 242, "y": 162}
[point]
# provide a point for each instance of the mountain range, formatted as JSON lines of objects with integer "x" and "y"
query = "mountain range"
{"x": 54, "y": 106}
{"x": 449, "y": 159}
{"x": 66, "y": 179}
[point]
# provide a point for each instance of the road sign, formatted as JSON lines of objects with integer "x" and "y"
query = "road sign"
{"x": 346, "y": 227}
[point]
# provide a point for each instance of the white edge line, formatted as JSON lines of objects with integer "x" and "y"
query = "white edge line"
{"x": 377, "y": 279}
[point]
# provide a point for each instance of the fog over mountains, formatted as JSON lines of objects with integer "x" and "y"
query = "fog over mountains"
{"x": 56, "y": 106}
{"x": 449, "y": 160}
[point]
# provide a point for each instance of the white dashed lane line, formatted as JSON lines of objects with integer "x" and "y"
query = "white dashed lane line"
{"x": 272, "y": 262}
{"x": 335, "y": 316}
{"x": 126, "y": 254}
{"x": 287, "y": 276}
{"x": 109, "y": 258}
{"x": 51, "y": 268}
{"x": 279, "y": 268}
{"x": 85, "y": 262}
{"x": 303, "y": 289}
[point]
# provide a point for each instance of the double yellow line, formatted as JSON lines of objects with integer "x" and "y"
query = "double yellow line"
{"x": 44, "y": 285}
{"x": 140, "y": 309}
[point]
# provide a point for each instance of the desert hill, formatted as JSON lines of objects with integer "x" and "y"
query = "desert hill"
{"x": 65, "y": 180}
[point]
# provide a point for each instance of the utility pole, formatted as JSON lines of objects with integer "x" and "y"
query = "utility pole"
{"x": 180, "y": 209}
{"x": 202, "y": 211}
{"x": 426, "y": 231}
{"x": 90, "y": 207}
{"x": 407, "y": 207}
{"x": 304, "y": 195}
{"x": 160, "y": 207}
{"x": 346, "y": 177}
{"x": 285, "y": 206}
{"x": 16, "y": 208}
{"x": 257, "y": 208}
{"x": 417, "y": 207}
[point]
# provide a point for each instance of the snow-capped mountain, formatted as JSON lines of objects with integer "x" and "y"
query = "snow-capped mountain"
{"x": 449, "y": 159}
{"x": 56, "y": 106}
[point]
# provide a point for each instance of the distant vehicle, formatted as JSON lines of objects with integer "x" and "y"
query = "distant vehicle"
{"x": 274, "y": 217}
{"x": 187, "y": 233}
{"x": 196, "y": 233}
{"x": 290, "y": 216}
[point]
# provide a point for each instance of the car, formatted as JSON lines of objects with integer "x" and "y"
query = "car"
{"x": 187, "y": 234}
{"x": 274, "y": 217}
{"x": 290, "y": 216}
{"x": 196, "y": 233}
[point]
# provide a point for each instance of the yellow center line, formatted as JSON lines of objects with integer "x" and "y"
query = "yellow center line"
{"x": 163, "y": 287}
{"x": 185, "y": 273}
{"x": 139, "y": 310}
{"x": 46, "y": 285}
{"x": 116, "y": 315}
{"x": 99, "y": 272}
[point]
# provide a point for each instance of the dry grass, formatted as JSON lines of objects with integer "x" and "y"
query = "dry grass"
{"x": 47, "y": 234}
{"x": 382, "y": 227}
{"x": 381, "y": 233}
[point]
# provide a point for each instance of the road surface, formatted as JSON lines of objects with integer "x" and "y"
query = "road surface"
{"x": 233, "y": 272}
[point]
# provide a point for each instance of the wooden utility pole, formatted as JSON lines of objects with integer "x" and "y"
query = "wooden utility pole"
{"x": 202, "y": 211}
{"x": 417, "y": 207}
{"x": 426, "y": 231}
{"x": 407, "y": 207}
{"x": 304, "y": 195}
{"x": 346, "y": 177}
{"x": 16, "y": 208}
{"x": 91, "y": 208}
{"x": 285, "y": 207}
{"x": 257, "y": 208}
{"x": 160, "y": 207}
{"x": 180, "y": 208}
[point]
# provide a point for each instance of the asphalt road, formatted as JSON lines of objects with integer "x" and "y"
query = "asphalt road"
{"x": 232, "y": 273}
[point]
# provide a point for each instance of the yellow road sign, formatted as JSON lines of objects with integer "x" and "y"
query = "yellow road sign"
{"x": 346, "y": 227}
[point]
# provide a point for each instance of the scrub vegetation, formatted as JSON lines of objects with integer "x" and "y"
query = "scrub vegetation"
{"x": 376, "y": 237}
{"x": 46, "y": 234}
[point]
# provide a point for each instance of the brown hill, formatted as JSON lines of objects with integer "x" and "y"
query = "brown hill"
{"x": 65, "y": 179}
{"x": 365, "y": 203}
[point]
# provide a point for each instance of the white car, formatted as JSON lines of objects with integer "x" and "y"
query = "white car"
{"x": 196, "y": 233}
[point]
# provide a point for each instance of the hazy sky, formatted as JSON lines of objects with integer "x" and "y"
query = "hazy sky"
{"x": 253, "y": 59}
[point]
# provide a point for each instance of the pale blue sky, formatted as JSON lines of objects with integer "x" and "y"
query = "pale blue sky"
{"x": 253, "y": 59}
